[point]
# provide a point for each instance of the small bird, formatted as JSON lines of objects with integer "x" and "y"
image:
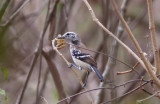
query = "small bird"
{"x": 80, "y": 56}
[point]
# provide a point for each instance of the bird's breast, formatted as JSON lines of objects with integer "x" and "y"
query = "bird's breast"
{"x": 80, "y": 63}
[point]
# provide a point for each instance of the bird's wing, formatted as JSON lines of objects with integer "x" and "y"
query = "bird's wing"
{"x": 85, "y": 57}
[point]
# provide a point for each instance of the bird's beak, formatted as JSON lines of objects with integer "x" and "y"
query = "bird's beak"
{"x": 60, "y": 41}
{"x": 61, "y": 37}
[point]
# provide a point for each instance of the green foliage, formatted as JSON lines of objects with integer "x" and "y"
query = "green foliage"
{"x": 5, "y": 72}
{"x": 3, "y": 93}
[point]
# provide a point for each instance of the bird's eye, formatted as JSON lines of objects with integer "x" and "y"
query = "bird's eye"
{"x": 67, "y": 34}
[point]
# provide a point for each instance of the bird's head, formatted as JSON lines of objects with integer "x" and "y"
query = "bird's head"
{"x": 70, "y": 37}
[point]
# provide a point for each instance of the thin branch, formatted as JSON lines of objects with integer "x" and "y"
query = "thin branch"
{"x": 133, "y": 90}
{"x": 83, "y": 92}
{"x": 146, "y": 64}
{"x": 111, "y": 34}
{"x": 153, "y": 37}
{"x": 128, "y": 71}
{"x": 146, "y": 91}
{"x": 142, "y": 72}
{"x": 140, "y": 101}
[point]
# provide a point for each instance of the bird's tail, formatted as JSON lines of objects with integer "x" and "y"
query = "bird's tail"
{"x": 98, "y": 73}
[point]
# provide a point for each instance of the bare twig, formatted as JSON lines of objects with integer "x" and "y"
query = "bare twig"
{"x": 133, "y": 90}
{"x": 139, "y": 101}
{"x": 128, "y": 71}
{"x": 105, "y": 88}
{"x": 142, "y": 72}
{"x": 146, "y": 64}
{"x": 153, "y": 37}
{"x": 146, "y": 91}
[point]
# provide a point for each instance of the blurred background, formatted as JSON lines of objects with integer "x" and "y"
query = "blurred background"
{"x": 27, "y": 24}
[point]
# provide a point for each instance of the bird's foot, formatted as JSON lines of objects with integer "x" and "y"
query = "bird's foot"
{"x": 78, "y": 67}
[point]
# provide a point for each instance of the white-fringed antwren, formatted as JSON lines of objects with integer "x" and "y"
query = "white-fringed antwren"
{"x": 80, "y": 56}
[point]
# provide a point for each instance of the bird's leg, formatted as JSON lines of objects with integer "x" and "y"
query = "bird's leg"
{"x": 78, "y": 67}
{"x": 85, "y": 82}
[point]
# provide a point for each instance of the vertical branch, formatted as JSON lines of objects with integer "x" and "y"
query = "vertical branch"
{"x": 153, "y": 37}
